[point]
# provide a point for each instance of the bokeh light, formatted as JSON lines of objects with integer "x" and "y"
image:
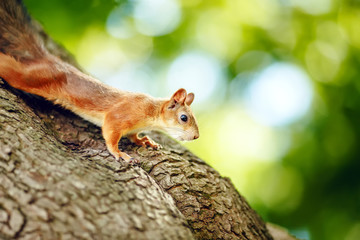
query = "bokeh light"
{"x": 280, "y": 95}
{"x": 256, "y": 142}
{"x": 156, "y": 17}
{"x": 313, "y": 7}
{"x": 133, "y": 77}
{"x": 120, "y": 23}
{"x": 197, "y": 72}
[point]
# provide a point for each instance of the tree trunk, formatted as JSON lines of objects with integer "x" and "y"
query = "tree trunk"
{"x": 58, "y": 181}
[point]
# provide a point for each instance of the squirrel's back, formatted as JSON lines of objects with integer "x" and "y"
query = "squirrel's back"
{"x": 17, "y": 38}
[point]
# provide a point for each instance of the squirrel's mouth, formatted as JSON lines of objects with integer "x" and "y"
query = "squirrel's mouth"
{"x": 188, "y": 139}
{"x": 178, "y": 134}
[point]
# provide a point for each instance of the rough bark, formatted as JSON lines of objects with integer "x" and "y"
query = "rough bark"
{"x": 58, "y": 181}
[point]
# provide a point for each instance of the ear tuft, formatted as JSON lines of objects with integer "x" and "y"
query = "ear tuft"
{"x": 179, "y": 96}
{"x": 189, "y": 98}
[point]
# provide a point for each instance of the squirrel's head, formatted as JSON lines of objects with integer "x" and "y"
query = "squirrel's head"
{"x": 179, "y": 121}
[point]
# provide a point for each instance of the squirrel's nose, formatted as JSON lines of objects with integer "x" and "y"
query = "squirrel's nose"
{"x": 196, "y": 136}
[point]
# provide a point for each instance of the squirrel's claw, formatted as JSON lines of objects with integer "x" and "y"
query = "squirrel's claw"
{"x": 156, "y": 146}
{"x": 134, "y": 161}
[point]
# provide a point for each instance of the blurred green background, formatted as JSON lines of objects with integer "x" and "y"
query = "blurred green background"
{"x": 276, "y": 84}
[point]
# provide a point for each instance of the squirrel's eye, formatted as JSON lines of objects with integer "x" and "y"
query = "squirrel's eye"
{"x": 184, "y": 118}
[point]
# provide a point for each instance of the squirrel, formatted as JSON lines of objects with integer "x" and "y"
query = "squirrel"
{"x": 27, "y": 65}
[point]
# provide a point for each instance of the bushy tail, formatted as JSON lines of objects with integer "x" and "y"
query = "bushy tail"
{"x": 17, "y": 38}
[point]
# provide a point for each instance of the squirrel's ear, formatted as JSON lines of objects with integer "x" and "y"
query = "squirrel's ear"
{"x": 179, "y": 96}
{"x": 189, "y": 98}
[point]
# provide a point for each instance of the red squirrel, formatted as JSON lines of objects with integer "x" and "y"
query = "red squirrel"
{"x": 26, "y": 64}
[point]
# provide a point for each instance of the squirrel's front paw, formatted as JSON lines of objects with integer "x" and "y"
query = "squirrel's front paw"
{"x": 147, "y": 141}
{"x": 156, "y": 146}
{"x": 144, "y": 141}
{"x": 134, "y": 161}
{"x": 125, "y": 157}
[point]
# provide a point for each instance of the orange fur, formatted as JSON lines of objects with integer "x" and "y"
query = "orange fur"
{"x": 119, "y": 113}
{"x": 26, "y": 64}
